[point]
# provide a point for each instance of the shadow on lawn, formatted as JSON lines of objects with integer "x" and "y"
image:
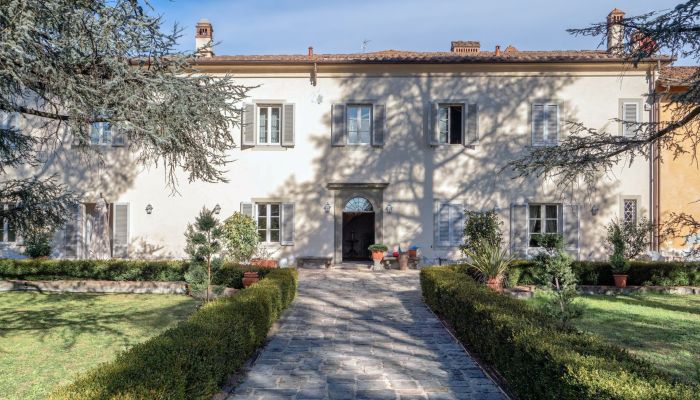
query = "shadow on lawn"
{"x": 65, "y": 317}
{"x": 644, "y": 301}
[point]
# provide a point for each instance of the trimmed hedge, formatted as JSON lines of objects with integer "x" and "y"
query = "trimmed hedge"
{"x": 664, "y": 273}
{"x": 536, "y": 358}
{"x": 230, "y": 274}
{"x": 192, "y": 360}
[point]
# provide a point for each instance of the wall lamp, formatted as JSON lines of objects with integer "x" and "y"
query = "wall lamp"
{"x": 389, "y": 208}
{"x": 149, "y": 209}
{"x": 327, "y": 207}
{"x": 217, "y": 209}
{"x": 594, "y": 209}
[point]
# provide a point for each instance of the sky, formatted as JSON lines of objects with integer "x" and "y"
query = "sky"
{"x": 334, "y": 26}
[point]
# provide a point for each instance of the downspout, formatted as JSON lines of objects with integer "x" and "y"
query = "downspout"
{"x": 655, "y": 151}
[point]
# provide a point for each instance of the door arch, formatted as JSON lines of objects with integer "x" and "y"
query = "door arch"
{"x": 358, "y": 229}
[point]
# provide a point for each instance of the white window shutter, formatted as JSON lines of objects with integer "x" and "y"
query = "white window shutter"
{"x": 434, "y": 125}
{"x": 442, "y": 224}
{"x": 287, "y": 234}
{"x": 571, "y": 226}
{"x": 71, "y": 233}
{"x": 247, "y": 209}
{"x": 379, "y": 125}
{"x": 538, "y": 124}
{"x": 518, "y": 229}
{"x": 471, "y": 125}
{"x": 288, "y": 125}
{"x": 552, "y": 128}
{"x": 338, "y": 131}
{"x": 630, "y": 112}
{"x": 248, "y": 128}
{"x": 456, "y": 224}
{"x": 118, "y": 137}
{"x": 120, "y": 237}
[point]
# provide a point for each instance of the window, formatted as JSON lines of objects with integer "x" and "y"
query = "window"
{"x": 545, "y": 124}
{"x": 8, "y": 120}
{"x": 450, "y": 224}
{"x": 630, "y": 116}
{"x": 268, "y": 218}
{"x": 629, "y": 211}
{"x": 101, "y": 133}
{"x": 543, "y": 218}
{"x": 450, "y": 124}
{"x": 359, "y": 124}
{"x": 7, "y": 231}
{"x": 269, "y": 118}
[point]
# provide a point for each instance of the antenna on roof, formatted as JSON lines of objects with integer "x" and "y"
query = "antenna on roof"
{"x": 364, "y": 45}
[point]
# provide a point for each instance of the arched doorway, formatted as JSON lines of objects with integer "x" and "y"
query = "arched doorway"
{"x": 358, "y": 229}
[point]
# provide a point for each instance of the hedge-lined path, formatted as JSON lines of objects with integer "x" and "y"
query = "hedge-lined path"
{"x": 363, "y": 335}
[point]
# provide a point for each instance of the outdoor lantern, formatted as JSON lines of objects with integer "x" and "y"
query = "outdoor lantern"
{"x": 594, "y": 209}
{"x": 327, "y": 207}
{"x": 149, "y": 209}
{"x": 389, "y": 208}
{"x": 217, "y": 209}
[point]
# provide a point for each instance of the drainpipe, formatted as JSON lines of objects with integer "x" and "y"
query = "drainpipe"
{"x": 654, "y": 118}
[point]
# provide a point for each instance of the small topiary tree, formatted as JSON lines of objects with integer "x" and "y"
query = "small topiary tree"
{"x": 556, "y": 264}
{"x": 37, "y": 243}
{"x": 204, "y": 247}
{"x": 481, "y": 226}
{"x": 619, "y": 263}
{"x": 240, "y": 237}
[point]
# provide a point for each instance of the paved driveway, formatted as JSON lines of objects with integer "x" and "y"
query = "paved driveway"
{"x": 363, "y": 335}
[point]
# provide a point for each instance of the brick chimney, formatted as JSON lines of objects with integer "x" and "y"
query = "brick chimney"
{"x": 469, "y": 46}
{"x": 616, "y": 32}
{"x": 203, "y": 36}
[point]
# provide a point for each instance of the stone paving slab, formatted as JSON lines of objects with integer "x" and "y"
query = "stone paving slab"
{"x": 363, "y": 335}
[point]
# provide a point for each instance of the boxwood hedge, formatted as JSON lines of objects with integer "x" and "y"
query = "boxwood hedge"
{"x": 230, "y": 274}
{"x": 536, "y": 358}
{"x": 192, "y": 360}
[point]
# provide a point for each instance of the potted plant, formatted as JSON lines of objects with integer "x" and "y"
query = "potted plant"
{"x": 378, "y": 251}
{"x": 618, "y": 262}
{"x": 490, "y": 262}
{"x": 249, "y": 278}
{"x": 413, "y": 252}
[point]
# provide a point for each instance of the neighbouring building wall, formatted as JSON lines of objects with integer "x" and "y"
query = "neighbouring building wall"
{"x": 416, "y": 178}
{"x": 679, "y": 181}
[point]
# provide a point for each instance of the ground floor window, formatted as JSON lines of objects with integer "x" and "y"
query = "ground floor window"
{"x": 7, "y": 230}
{"x": 543, "y": 218}
{"x": 268, "y": 219}
{"x": 629, "y": 211}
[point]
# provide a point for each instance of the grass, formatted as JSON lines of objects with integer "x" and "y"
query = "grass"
{"x": 663, "y": 329}
{"x": 46, "y": 339}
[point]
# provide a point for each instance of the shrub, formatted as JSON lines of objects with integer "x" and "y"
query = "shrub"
{"x": 489, "y": 260}
{"x": 240, "y": 237}
{"x": 481, "y": 226}
{"x": 37, "y": 244}
{"x": 378, "y": 247}
{"x": 111, "y": 270}
{"x": 537, "y": 358}
{"x": 231, "y": 275}
{"x": 192, "y": 360}
{"x": 630, "y": 238}
{"x": 204, "y": 247}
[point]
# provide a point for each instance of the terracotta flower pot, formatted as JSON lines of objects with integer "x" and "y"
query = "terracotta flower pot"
{"x": 620, "y": 280}
{"x": 377, "y": 255}
{"x": 495, "y": 284}
{"x": 413, "y": 253}
{"x": 250, "y": 278}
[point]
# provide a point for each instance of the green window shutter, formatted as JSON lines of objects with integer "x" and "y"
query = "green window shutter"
{"x": 120, "y": 237}
{"x": 248, "y": 128}
{"x": 338, "y": 131}
{"x": 379, "y": 125}
{"x": 471, "y": 126}
{"x": 288, "y": 125}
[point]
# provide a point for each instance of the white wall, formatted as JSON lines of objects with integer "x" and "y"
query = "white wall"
{"x": 417, "y": 173}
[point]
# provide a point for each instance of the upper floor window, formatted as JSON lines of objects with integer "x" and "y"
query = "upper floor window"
{"x": 101, "y": 133}
{"x": 8, "y": 120}
{"x": 269, "y": 124}
{"x": 7, "y": 230}
{"x": 359, "y": 124}
{"x": 543, "y": 219}
{"x": 450, "y": 123}
{"x": 545, "y": 124}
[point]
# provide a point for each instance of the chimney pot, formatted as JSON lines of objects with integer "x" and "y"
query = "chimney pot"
{"x": 616, "y": 32}
{"x": 311, "y": 51}
{"x": 498, "y": 49}
{"x": 203, "y": 36}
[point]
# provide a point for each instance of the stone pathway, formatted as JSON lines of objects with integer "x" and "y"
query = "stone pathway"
{"x": 363, "y": 335}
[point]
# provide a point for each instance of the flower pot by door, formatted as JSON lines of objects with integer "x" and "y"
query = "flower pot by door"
{"x": 620, "y": 280}
{"x": 377, "y": 256}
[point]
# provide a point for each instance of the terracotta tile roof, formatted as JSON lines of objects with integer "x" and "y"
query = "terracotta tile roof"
{"x": 415, "y": 57}
{"x": 677, "y": 76}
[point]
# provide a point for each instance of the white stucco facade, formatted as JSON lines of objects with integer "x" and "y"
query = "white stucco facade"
{"x": 406, "y": 172}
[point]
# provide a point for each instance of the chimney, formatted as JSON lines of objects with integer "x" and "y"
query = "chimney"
{"x": 462, "y": 46}
{"x": 616, "y": 32}
{"x": 203, "y": 36}
{"x": 311, "y": 52}
{"x": 498, "y": 50}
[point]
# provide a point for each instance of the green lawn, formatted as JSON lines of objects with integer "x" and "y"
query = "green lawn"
{"x": 663, "y": 329}
{"x": 46, "y": 339}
